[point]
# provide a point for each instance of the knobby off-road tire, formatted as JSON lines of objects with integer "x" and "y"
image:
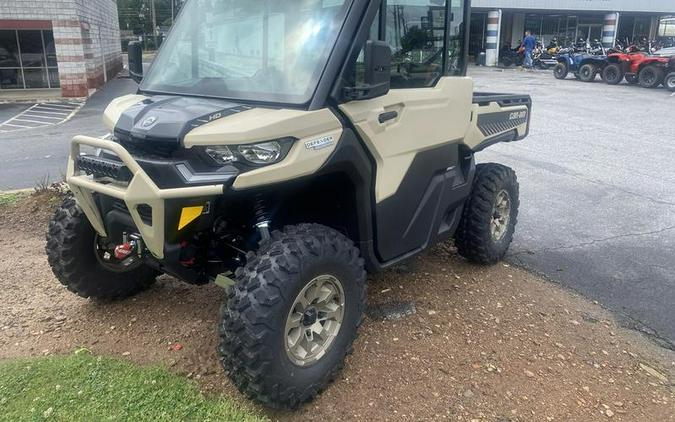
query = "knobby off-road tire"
{"x": 71, "y": 254}
{"x": 560, "y": 71}
{"x": 476, "y": 238}
{"x": 650, "y": 76}
{"x": 587, "y": 73}
{"x": 612, "y": 74}
{"x": 631, "y": 79}
{"x": 669, "y": 82}
{"x": 254, "y": 327}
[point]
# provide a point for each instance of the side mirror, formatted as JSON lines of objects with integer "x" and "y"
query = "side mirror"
{"x": 377, "y": 76}
{"x": 135, "y": 51}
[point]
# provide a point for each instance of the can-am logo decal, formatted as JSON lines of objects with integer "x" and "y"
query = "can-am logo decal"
{"x": 518, "y": 115}
{"x": 149, "y": 122}
{"x": 320, "y": 143}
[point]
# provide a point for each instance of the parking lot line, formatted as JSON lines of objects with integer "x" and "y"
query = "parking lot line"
{"x": 37, "y": 116}
{"x": 59, "y": 110}
{"x": 30, "y": 121}
{"x": 9, "y": 124}
{"x": 41, "y": 115}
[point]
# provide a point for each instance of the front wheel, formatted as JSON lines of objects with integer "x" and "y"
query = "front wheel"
{"x": 650, "y": 76}
{"x": 669, "y": 82}
{"x": 490, "y": 215}
{"x": 83, "y": 261}
{"x": 587, "y": 73}
{"x": 560, "y": 71}
{"x": 293, "y": 314}
{"x": 612, "y": 74}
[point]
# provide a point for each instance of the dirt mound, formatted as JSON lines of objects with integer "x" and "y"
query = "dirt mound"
{"x": 484, "y": 344}
{"x": 30, "y": 215}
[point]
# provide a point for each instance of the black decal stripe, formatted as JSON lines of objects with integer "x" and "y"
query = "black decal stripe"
{"x": 212, "y": 117}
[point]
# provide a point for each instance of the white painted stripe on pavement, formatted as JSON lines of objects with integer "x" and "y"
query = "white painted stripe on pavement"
{"x": 31, "y": 121}
{"x": 37, "y": 116}
{"x": 70, "y": 107}
{"x": 9, "y": 124}
{"x": 49, "y": 113}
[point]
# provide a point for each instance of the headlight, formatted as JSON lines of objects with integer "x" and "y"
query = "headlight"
{"x": 266, "y": 153}
{"x": 260, "y": 154}
{"x": 221, "y": 154}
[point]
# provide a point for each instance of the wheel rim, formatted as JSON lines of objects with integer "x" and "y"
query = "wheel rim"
{"x": 586, "y": 72}
{"x": 649, "y": 77}
{"x": 670, "y": 82}
{"x": 501, "y": 215}
{"x": 611, "y": 74}
{"x": 107, "y": 258}
{"x": 314, "y": 320}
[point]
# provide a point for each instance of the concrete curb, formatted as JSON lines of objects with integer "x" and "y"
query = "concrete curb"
{"x": 11, "y": 192}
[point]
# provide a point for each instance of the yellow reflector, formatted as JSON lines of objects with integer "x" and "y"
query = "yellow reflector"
{"x": 188, "y": 215}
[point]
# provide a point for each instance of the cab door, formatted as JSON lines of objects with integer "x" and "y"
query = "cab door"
{"x": 414, "y": 132}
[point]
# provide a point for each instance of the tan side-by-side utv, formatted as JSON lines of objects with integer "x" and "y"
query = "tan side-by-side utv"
{"x": 281, "y": 149}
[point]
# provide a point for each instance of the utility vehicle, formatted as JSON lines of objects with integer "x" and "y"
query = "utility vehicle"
{"x": 281, "y": 150}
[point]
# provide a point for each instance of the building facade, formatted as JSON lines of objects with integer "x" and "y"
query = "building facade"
{"x": 499, "y": 23}
{"x": 73, "y": 45}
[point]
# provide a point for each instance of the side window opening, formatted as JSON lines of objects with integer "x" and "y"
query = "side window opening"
{"x": 418, "y": 35}
{"x": 415, "y": 32}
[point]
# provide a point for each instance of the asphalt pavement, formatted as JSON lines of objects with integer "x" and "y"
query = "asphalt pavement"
{"x": 597, "y": 192}
{"x": 597, "y": 198}
{"x": 28, "y": 156}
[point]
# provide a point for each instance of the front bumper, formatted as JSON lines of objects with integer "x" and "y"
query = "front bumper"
{"x": 141, "y": 191}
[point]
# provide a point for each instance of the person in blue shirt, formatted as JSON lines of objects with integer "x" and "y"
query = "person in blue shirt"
{"x": 529, "y": 43}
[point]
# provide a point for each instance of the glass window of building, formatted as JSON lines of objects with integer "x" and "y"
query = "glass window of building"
{"x": 28, "y": 59}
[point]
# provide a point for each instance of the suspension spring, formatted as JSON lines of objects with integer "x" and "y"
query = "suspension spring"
{"x": 261, "y": 217}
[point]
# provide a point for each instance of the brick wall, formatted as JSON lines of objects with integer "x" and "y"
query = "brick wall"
{"x": 86, "y": 34}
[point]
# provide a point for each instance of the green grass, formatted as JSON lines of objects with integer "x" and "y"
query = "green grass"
{"x": 82, "y": 387}
{"x": 10, "y": 198}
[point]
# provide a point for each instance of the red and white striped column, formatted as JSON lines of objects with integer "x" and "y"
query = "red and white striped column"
{"x": 609, "y": 29}
{"x": 494, "y": 24}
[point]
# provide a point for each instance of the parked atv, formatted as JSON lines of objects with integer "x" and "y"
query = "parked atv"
{"x": 584, "y": 66}
{"x": 669, "y": 80}
{"x": 283, "y": 180}
{"x": 635, "y": 67}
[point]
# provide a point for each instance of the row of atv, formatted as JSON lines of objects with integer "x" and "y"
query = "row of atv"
{"x": 636, "y": 67}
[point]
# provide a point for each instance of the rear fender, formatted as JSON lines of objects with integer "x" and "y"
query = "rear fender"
{"x": 655, "y": 63}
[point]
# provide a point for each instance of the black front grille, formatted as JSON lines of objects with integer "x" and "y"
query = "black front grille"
{"x": 148, "y": 147}
{"x": 103, "y": 167}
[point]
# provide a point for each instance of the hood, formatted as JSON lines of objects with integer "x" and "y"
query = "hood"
{"x": 160, "y": 123}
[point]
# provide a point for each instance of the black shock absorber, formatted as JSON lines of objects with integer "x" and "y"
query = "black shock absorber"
{"x": 261, "y": 217}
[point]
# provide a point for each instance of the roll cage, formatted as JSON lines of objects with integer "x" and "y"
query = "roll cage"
{"x": 354, "y": 33}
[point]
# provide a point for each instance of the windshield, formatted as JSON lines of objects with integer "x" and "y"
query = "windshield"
{"x": 259, "y": 50}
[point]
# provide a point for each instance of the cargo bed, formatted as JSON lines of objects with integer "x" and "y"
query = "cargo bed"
{"x": 498, "y": 118}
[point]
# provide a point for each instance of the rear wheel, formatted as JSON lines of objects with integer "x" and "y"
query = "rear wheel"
{"x": 612, "y": 74}
{"x": 560, "y": 71}
{"x": 669, "y": 81}
{"x": 507, "y": 61}
{"x": 293, "y": 314}
{"x": 490, "y": 215}
{"x": 650, "y": 76}
{"x": 83, "y": 261}
{"x": 587, "y": 73}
